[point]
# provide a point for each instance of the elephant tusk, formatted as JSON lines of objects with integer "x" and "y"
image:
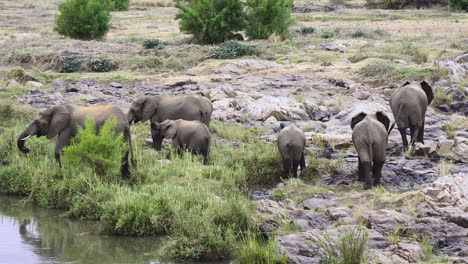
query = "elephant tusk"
{"x": 26, "y": 137}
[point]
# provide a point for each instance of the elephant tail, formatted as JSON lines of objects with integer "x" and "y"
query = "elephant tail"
{"x": 396, "y": 118}
{"x": 128, "y": 135}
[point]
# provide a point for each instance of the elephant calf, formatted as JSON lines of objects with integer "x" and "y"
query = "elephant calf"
{"x": 370, "y": 140}
{"x": 291, "y": 143}
{"x": 193, "y": 136}
{"x": 161, "y": 108}
{"x": 409, "y": 104}
{"x": 63, "y": 120}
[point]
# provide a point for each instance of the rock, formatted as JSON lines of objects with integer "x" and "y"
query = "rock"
{"x": 444, "y": 108}
{"x": 268, "y": 227}
{"x": 336, "y": 213}
{"x": 12, "y": 84}
{"x": 460, "y": 219}
{"x": 311, "y": 7}
{"x": 282, "y": 108}
{"x": 333, "y": 46}
{"x": 456, "y": 106}
{"x": 411, "y": 252}
{"x": 270, "y": 207}
{"x": 72, "y": 89}
{"x": 301, "y": 248}
{"x": 217, "y": 94}
{"x": 244, "y": 66}
{"x": 361, "y": 95}
{"x": 317, "y": 204}
{"x": 270, "y": 121}
{"x": 420, "y": 149}
{"x": 444, "y": 147}
{"x": 229, "y": 91}
{"x": 457, "y": 71}
{"x": 386, "y": 221}
{"x": 116, "y": 85}
{"x": 462, "y": 59}
{"x": 322, "y": 114}
{"x": 34, "y": 84}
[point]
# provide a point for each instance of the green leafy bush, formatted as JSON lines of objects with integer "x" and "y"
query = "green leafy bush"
{"x": 100, "y": 65}
{"x": 458, "y": 5}
{"x": 233, "y": 49}
{"x": 327, "y": 34}
{"x": 268, "y": 17}
{"x": 69, "y": 64}
{"x": 83, "y": 19}
{"x": 154, "y": 44}
{"x": 398, "y": 4}
{"x": 210, "y": 21}
{"x": 121, "y": 5}
{"x": 307, "y": 30}
{"x": 103, "y": 151}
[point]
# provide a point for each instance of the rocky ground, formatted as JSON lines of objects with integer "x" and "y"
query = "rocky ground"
{"x": 424, "y": 192}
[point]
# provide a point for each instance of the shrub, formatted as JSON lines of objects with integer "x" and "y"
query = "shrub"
{"x": 307, "y": 30}
{"x": 99, "y": 65}
{"x": 450, "y": 129}
{"x": 441, "y": 97}
{"x": 420, "y": 56}
{"x": 18, "y": 74}
{"x": 121, "y": 5}
{"x": 357, "y": 57}
{"x": 154, "y": 44}
{"x": 327, "y": 34}
{"x": 211, "y": 21}
{"x": 358, "y": 34}
{"x": 103, "y": 151}
{"x": 349, "y": 249}
{"x": 83, "y": 19}
{"x": 69, "y": 64}
{"x": 458, "y": 5}
{"x": 268, "y": 17}
{"x": 253, "y": 249}
{"x": 233, "y": 49}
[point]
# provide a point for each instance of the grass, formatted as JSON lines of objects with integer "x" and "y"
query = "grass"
{"x": 444, "y": 167}
{"x": 450, "y": 129}
{"x": 253, "y": 249}
{"x": 350, "y": 248}
{"x": 428, "y": 247}
{"x": 441, "y": 98}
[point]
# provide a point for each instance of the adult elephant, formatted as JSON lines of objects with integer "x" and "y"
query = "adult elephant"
{"x": 370, "y": 140}
{"x": 63, "y": 121}
{"x": 162, "y": 108}
{"x": 291, "y": 143}
{"x": 409, "y": 104}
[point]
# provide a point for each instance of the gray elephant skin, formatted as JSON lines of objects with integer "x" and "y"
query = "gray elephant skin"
{"x": 409, "y": 104}
{"x": 370, "y": 138}
{"x": 291, "y": 143}
{"x": 63, "y": 121}
{"x": 191, "y": 135}
{"x": 161, "y": 108}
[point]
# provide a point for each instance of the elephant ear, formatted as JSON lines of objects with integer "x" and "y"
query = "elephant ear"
{"x": 383, "y": 119}
{"x": 405, "y": 83}
{"x": 142, "y": 109}
{"x": 428, "y": 90}
{"x": 59, "y": 119}
{"x": 171, "y": 129}
{"x": 357, "y": 118}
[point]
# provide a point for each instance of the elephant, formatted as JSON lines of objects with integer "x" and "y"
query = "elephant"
{"x": 370, "y": 140}
{"x": 291, "y": 142}
{"x": 191, "y": 135}
{"x": 409, "y": 104}
{"x": 161, "y": 108}
{"x": 63, "y": 121}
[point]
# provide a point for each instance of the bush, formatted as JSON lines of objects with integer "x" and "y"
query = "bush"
{"x": 69, "y": 64}
{"x": 327, "y": 34}
{"x": 420, "y": 56}
{"x": 254, "y": 249}
{"x": 458, "y": 5}
{"x": 18, "y": 74}
{"x": 450, "y": 129}
{"x": 441, "y": 97}
{"x": 99, "y": 65}
{"x": 268, "y": 17}
{"x": 154, "y": 44}
{"x": 120, "y": 5}
{"x": 307, "y": 30}
{"x": 83, "y": 19}
{"x": 349, "y": 249}
{"x": 233, "y": 49}
{"x": 398, "y": 4}
{"x": 210, "y": 21}
{"x": 103, "y": 151}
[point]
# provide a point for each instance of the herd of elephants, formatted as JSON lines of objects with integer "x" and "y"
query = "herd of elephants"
{"x": 185, "y": 119}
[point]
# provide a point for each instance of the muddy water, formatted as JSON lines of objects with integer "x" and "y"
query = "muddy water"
{"x": 34, "y": 235}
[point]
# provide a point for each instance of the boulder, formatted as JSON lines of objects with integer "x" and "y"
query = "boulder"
{"x": 12, "y": 84}
{"x": 245, "y": 66}
{"x": 282, "y": 108}
{"x": 301, "y": 248}
{"x": 386, "y": 221}
{"x": 420, "y": 149}
{"x": 411, "y": 252}
{"x": 333, "y": 46}
{"x": 34, "y": 84}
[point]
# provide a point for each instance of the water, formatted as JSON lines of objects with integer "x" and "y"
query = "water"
{"x": 34, "y": 235}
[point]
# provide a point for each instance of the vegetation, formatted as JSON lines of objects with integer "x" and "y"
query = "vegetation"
{"x": 306, "y": 30}
{"x": 349, "y": 249}
{"x": 92, "y": 22}
{"x": 441, "y": 98}
{"x": 253, "y": 249}
{"x": 450, "y": 129}
{"x": 233, "y": 49}
{"x": 154, "y": 44}
{"x": 211, "y": 21}
{"x": 69, "y": 64}
{"x": 268, "y": 17}
{"x": 458, "y": 5}
{"x": 100, "y": 65}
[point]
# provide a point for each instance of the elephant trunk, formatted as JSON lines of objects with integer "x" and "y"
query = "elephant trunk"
{"x": 31, "y": 130}
{"x": 130, "y": 117}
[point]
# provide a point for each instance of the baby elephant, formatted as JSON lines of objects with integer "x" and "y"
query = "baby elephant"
{"x": 193, "y": 136}
{"x": 370, "y": 140}
{"x": 291, "y": 143}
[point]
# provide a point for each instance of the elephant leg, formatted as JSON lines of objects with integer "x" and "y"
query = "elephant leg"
{"x": 366, "y": 167}
{"x": 287, "y": 168}
{"x": 125, "y": 167}
{"x": 303, "y": 165}
{"x": 361, "y": 176}
{"x": 403, "y": 137}
{"x": 414, "y": 134}
{"x": 377, "y": 171}
{"x": 63, "y": 141}
{"x": 421, "y": 134}
{"x": 295, "y": 167}
{"x": 157, "y": 139}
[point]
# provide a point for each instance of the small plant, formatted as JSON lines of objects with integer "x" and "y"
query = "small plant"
{"x": 349, "y": 249}
{"x": 427, "y": 247}
{"x": 100, "y": 65}
{"x": 120, "y": 5}
{"x": 278, "y": 195}
{"x": 211, "y": 21}
{"x": 233, "y": 49}
{"x": 102, "y": 152}
{"x": 420, "y": 56}
{"x": 450, "y": 129}
{"x": 69, "y": 64}
{"x": 154, "y": 44}
{"x": 255, "y": 250}
{"x": 91, "y": 22}
{"x": 18, "y": 74}
{"x": 357, "y": 57}
{"x": 444, "y": 167}
{"x": 358, "y": 34}
{"x": 441, "y": 97}
{"x": 327, "y": 34}
{"x": 306, "y": 30}
{"x": 394, "y": 236}
{"x": 268, "y": 17}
